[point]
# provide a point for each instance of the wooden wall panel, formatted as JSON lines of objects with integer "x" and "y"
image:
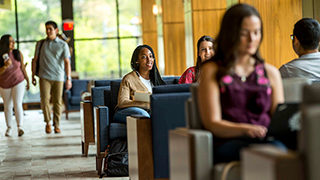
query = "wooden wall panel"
{"x": 172, "y": 11}
{"x": 173, "y": 37}
{"x": 149, "y": 22}
{"x": 150, "y": 38}
{"x": 316, "y": 10}
{"x": 208, "y": 4}
{"x": 149, "y": 25}
{"x": 174, "y": 48}
{"x": 205, "y": 23}
{"x": 279, "y": 17}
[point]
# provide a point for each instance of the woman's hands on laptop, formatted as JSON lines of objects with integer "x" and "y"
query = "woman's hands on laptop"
{"x": 255, "y": 131}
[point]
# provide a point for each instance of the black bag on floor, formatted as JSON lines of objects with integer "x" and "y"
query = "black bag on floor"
{"x": 116, "y": 160}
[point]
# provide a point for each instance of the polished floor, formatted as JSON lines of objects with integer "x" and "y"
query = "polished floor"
{"x": 37, "y": 155}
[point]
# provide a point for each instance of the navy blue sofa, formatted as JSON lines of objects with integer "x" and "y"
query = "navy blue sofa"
{"x": 106, "y": 130}
{"x": 72, "y": 97}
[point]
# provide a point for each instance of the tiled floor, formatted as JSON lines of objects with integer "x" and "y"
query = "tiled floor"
{"x": 37, "y": 155}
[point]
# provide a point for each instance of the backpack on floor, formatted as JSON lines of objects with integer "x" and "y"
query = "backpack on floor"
{"x": 116, "y": 160}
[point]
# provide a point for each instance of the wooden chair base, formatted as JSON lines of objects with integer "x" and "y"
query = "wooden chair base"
{"x": 85, "y": 148}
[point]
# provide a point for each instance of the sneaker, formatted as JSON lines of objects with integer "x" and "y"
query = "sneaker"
{"x": 48, "y": 128}
{"x": 20, "y": 132}
{"x": 57, "y": 130}
{"x": 9, "y": 131}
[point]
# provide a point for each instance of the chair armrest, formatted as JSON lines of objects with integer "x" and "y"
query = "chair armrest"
{"x": 102, "y": 128}
{"x": 268, "y": 161}
{"x": 67, "y": 94}
{"x": 140, "y": 148}
{"x": 191, "y": 154}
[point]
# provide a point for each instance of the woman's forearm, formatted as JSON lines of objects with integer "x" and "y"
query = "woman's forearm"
{"x": 3, "y": 69}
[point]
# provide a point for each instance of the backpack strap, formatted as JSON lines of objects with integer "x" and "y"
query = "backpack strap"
{"x": 41, "y": 43}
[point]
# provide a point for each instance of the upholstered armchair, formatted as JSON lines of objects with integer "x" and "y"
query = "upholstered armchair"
{"x": 72, "y": 97}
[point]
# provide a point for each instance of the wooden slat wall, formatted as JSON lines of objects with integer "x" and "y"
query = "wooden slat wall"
{"x": 206, "y": 19}
{"x": 279, "y": 17}
{"x": 203, "y": 17}
{"x": 149, "y": 25}
{"x": 173, "y": 37}
{"x": 316, "y": 10}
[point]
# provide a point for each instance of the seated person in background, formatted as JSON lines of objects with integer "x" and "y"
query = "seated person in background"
{"x": 144, "y": 76}
{"x": 305, "y": 42}
{"x": 238, "y": 91}
{"x": 205, "y": 52}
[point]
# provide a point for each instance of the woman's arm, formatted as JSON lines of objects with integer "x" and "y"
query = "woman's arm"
{"x": 124, "y": 95}
{"x": 188, "y": 76}
{"x": 277, "y": 95}
{"x": 5, "y": 66}
{"x": 210, "y": 109}
{"x": 23, "y": 69}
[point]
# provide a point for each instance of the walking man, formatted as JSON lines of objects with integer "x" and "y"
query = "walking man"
{"x": 53, "y": 56}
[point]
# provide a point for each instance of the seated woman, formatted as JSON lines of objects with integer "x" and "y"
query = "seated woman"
{"x": 144, "y": 76}
{"x": 205, "y": 52}
{"x": 238, "y": 91}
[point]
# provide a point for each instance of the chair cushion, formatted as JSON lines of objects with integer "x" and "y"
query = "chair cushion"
{"x": 117, "y": 130}
{"x": 75, "y": 100}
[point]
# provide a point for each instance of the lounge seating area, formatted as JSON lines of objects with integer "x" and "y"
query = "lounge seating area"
{"x": 173, "y": 145}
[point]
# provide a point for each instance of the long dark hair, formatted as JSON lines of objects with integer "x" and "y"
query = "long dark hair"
{"x": 228, "y": 39}
{"x": 4, "y": 48}
{"x": 199, "y": 61}
{"x": 154, "y": 74}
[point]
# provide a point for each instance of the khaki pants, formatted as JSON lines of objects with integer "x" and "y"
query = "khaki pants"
{"x": 54, "y": 89}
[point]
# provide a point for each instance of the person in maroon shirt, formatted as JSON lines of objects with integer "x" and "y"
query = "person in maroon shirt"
{"x": 12, "y": 84}
{"x": 238, "y": 91}
{"x": 205, "y": 52}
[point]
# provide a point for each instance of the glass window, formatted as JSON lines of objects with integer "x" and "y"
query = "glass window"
{"x": 27, "y": 50}
{"x": 127, "y": 48}
{"x": 130, "y": 18}
{"x": 94, "y": 18}
{"x": 35, "y": 13}
{"x": 8, "y": 22}
{"x": 95, "y": 34}
{"x": 32, "y": 16}
{"x": 97, "y": 59}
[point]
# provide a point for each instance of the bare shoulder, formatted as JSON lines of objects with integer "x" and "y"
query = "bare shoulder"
{"x": 272, "y": 71}
{"x": 209, "y": 69}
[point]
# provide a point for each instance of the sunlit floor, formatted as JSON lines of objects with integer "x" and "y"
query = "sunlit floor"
{"x": 37, "y": 155}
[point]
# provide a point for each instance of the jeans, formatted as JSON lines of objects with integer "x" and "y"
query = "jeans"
{"x": 121, "y": 114}
{"x": 230, "y": 151}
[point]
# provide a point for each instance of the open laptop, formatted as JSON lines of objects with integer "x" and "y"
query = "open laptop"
{"x": 285, "y": 123}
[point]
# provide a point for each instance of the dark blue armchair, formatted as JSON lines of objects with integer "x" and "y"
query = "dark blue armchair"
{"x": 72, "y": 97}
{"x": 106, "y": 130}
